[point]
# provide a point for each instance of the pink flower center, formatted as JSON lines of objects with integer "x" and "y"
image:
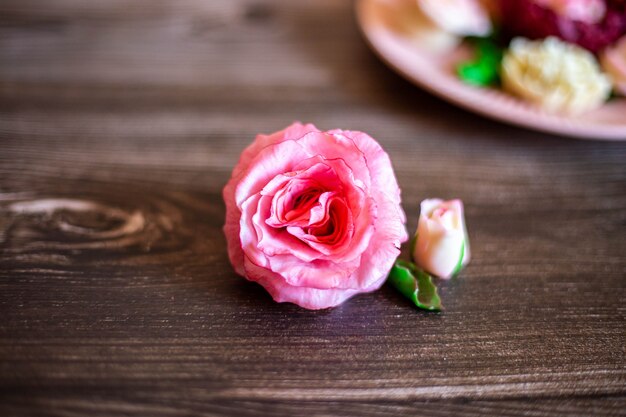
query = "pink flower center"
{"x": 444, "y": 216}
{"x": 312, "y": 206}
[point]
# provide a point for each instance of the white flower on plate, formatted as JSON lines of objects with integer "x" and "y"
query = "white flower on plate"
{"x": 555, "y": 75}
{"x": 438, "y": 26}
{"x": 458, "y": 17}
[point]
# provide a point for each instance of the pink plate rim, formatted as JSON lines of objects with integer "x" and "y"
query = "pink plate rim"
{"x": 419, "y": 68}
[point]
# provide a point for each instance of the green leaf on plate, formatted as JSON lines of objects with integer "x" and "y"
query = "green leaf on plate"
{"x": 416, "y": 285}
{"x": 484, "y": 69}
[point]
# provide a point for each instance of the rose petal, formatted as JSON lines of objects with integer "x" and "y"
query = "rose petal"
{"x": 277, "y": 241}
{"x": 293, "y": 132}
{"x": 307, "y": 297}
{"x": 338, "y": 147}
{"x": 320, "y": 274}
{"x": 272, "y": 161}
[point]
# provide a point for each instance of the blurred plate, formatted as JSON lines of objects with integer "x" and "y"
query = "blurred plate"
{"x": 386, "y": 25}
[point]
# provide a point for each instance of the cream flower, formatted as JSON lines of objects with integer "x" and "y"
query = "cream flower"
{"x": 614, "y": 63}
{"x": 555, "y": 75}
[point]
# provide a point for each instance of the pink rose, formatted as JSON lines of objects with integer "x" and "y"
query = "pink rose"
{"x": 587, "y": 11}
{"x": 441, "y": 246}
{"x": 314, "y": 217}
{"x": 592, "y": 24}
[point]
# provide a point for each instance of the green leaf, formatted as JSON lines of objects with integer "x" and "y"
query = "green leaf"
{"x": 416, "y": 285}
{"x": 484, "y": 69}
{"x": 459, "y": 265}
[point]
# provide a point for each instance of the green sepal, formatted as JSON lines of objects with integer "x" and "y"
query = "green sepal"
{"x": 416, "y": 285}
{"x": 459, "y": 265}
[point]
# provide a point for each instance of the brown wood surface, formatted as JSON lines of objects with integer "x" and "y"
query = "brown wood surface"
{"x": 119, "y": 125}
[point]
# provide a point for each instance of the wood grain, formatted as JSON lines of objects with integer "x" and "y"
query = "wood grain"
{"x": 119, "y": 125}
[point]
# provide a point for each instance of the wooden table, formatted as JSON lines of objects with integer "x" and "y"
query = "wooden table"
{"x": 119, "y": 125}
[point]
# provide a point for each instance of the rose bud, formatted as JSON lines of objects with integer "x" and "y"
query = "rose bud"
{"x": 441, "y": 245}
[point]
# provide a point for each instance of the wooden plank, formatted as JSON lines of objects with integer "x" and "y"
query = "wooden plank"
{"x": 140, "y": 403}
